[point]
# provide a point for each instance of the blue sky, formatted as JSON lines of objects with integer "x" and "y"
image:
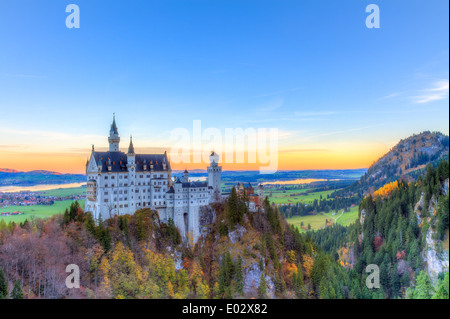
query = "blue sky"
{"x": 309, "y": 68}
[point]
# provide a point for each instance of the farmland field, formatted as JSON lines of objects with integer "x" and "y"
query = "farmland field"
{"x": 63, "y": 192}
{"x": 295, "y": 195}
{"x": 38, "y": 211}
{"x": 318, "y": 221}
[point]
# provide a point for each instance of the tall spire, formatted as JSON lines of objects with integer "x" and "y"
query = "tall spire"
{"x": 114, "y": 138}
{"x": 114, "y": 125}
{"x": 131, "y": 147}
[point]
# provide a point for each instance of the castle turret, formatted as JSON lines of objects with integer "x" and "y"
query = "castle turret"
{"x": 214, "y": 176}
{"x": 261, "y": 195}
{"x": 185, "y": 176}
{"x": 131, "y": 155}
{"x": 131, "y": 166}
{"x": 114, "y": 138}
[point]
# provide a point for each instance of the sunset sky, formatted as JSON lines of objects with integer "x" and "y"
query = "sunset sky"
{"x": 339, "y": 94}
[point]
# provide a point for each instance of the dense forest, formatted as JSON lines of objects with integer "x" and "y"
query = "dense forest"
{"x": 245, "y": 254}
{"x": 392, "y": 233}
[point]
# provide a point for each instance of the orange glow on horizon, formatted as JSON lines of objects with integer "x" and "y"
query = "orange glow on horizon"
{"x": 358, "y": 156}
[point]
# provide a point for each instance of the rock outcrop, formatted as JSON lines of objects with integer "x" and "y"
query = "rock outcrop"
{"x": 252, "y": 276}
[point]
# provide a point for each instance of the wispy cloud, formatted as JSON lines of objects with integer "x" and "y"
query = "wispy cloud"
{"x": 339, "y": 132}
{"x": 272, "y": 106}
{"x": 278, "y": 92}
{"x": 310, "y": 114}
{"x": 49, "y": 134}
{"x": 390, "y": 96}
{"x": 436, "y": 93}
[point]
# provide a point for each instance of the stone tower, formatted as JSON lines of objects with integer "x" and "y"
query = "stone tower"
{"x": 114, "y": 138}
{"x": 261, "y": 195}
{"x": 131, "y": 166}
{"x": 214, "y": 176}
{"x": 185, "y": 176}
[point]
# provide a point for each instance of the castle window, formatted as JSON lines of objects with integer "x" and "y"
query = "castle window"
{"x": 112, "y": 177}
{"x": 106, "y": 200}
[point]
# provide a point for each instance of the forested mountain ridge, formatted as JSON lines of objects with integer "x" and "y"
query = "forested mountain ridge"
{"x": 403, "y": 229}
{"x": 406, "y": 160}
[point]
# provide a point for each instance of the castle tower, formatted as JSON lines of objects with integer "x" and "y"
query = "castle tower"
{"x": 131, "y": 166}
{"x": 114, "y": 138}
{"x": 185, "y": 178}
{"x": 261, "y": 195}
{"x": 214, "y": 176}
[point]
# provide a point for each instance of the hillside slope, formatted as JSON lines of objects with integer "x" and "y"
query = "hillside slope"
{"x": 406, "y": 160}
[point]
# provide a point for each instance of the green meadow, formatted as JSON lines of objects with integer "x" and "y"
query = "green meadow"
{"x": 36, "y": 211}
{"x": 63, "y": 192}
{"x": 292, "y": 196}
{"x": 318, "y": 221}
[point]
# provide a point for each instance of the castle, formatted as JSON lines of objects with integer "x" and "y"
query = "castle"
{"x": 247, "y": 191}
{"x": 119, "y": 183}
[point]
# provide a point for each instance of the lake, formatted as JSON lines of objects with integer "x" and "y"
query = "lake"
{"x": 299, "y": 181}
{"x": 38, "y": 188}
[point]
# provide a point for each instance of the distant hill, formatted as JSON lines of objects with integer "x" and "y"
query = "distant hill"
{"x": 406, "y": 160}
{"x": 7, "y": 170}
{"x": 11, "y": 177}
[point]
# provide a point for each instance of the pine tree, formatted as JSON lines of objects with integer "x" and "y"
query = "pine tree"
{"x": 239, "y": 277}
{"x": 66, "y": 217}
{"x": 234, "y": 216}
{"x": 298, "y": 282}
{"x": 229, "y": 269}
{"x": 262, "y": 289}
{"x": 3, "y": 285}
{"x": 424, "y": 288}
{"x": 442, "y": 289}
{"x": 17, "y": 292}
{"x": 90, "y": 224}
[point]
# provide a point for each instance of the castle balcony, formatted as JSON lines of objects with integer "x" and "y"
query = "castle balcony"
{"x": 91, "y": 190}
